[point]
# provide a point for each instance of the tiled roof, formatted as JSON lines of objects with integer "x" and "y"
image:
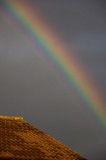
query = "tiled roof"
{"x": 20, "y": 140}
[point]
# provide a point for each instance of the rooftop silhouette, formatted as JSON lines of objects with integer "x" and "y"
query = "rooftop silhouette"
{"x": 20, "y": 140}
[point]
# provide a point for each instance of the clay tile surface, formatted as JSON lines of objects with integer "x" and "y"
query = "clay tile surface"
{"x": 20, "y": 140}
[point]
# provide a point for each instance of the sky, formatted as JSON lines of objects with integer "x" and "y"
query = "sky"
{"x": 30, "y": 87}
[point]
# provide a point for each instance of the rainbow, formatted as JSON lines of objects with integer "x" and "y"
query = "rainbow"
{"x": 47, "y": 44}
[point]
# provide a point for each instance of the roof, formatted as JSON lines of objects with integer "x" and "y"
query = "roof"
{"x": 20, "y": 140}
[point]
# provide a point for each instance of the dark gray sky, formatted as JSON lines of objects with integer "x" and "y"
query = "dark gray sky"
{"x": 30, "y": 88}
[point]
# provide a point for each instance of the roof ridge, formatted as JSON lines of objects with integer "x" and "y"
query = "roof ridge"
{"x": 11, "y": 117}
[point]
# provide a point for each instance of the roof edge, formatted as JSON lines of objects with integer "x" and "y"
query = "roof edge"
{"x": 11, "y": 117}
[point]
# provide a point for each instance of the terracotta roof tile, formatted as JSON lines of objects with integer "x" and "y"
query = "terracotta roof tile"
{"x": 20, "y": 140}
